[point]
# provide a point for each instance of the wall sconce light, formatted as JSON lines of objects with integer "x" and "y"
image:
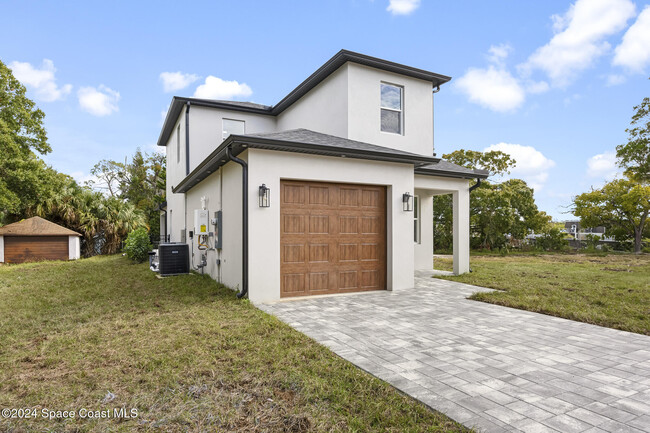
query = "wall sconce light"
{"x": 407, "y": 202}
{"x": 265, "y": 196}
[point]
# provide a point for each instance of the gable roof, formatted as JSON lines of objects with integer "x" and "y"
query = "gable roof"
{"x": 312, "y": 81}
{"x": 36, "y": 226}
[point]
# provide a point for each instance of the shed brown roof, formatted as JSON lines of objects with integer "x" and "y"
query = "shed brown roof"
{"x": 36, "y": 226}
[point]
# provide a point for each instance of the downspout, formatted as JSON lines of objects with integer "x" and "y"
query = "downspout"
{"x": 476, "y": 185}
{"x": 433, "y": 115}
{"x": 187, "y": 139}
{"x": 244, "y": 166}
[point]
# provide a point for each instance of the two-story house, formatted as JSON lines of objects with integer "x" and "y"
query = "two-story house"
{"x": 328, "y": 191}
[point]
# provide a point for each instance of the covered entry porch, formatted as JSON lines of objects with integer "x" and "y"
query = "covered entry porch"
{"x": 426, "y": 187}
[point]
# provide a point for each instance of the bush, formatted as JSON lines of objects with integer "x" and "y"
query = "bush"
{"x": 552, "y": 240}
{"x": 137, "y": 245}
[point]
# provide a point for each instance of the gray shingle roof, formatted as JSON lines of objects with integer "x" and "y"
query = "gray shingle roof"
{"x": 244, "y": 104}
{"x": 307, "y": 136}
{"x": 443, "y": 167}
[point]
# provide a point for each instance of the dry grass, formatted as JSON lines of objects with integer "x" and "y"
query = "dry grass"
{"x": 611, "y": 290}
{"x": 183, "y": 351}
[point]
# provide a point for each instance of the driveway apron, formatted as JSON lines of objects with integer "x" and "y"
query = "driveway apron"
{"x": 489, "y": 367}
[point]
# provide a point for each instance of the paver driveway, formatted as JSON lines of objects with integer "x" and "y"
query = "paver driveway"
{"x": 490, "y": 367}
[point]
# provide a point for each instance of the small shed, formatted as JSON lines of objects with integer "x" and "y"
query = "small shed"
{"x": 37, "y": 239}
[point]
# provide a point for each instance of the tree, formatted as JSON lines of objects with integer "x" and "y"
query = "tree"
{"x": 494, "y": 161}
{"x": 140, "y": 182}
{"x": 634, "y": 156}
{"x": 23, "y": 176}
{"x": 622, "y": 206}
{"x": 497, "y": 209}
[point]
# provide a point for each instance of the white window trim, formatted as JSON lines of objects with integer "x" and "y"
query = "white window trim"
{"x": 417, "y": 220}
{"x": 400, "y": 111}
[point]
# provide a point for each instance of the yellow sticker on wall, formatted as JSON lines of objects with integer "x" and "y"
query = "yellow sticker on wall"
{"x": 203, "y": 230}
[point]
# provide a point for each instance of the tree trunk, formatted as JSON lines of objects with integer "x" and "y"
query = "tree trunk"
{"x": 637, "y": 241}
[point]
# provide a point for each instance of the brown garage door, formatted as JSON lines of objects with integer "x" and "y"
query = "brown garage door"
{"x": 332, "y": 238}
{"x": 19, "y": 249}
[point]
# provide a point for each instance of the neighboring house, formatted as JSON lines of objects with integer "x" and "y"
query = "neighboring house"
{"x": 580, "y": 233}
{"x": 328, "y": 191}
{"x": 36, "y": 239}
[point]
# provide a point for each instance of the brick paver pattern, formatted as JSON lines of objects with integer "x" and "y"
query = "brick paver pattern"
{"x": 489, "y": 367}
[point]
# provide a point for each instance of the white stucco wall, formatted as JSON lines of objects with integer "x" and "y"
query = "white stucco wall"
{"x": 2, "y": 249}
{"x": 264, "y": 223}
{"x": 323, "y": 109}
{"x": 424, "y": 249}
{"x": 227, "y": 180}
{"x": 74, "y": 251}
{"x": 206, "y": 129}
{"x": 364, "y": 110}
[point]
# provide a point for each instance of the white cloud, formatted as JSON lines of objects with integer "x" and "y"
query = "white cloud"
{"x": 536, "y": 87}
{"x": 634, "y": 52}
{"x": 100, "y": 101}
{"x": 615, "y": 79}
{"x": 602, "y": 165}
{"x": 173, "y": 81}
{"x": 494, "y": 88}
{"x": 402, "y": 7}
{"x": 498, "y": 53}
{"x": 216, "y": 88}
{"x": 41, "y": 80}
{"x": 579, "y": 38}
{"x": 531, "y": 165}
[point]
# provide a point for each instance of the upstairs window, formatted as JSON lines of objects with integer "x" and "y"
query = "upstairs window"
{"x": 178, "y": 143}
{"x": 392, "y": 118}
{"x": 231, "y": 126}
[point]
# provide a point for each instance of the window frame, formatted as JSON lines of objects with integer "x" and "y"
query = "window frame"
{"x": 223, "y": 119}
{"x": 417, "y": 220}
{"x": 178, "y": 143}
{"x": 400, "y": 111}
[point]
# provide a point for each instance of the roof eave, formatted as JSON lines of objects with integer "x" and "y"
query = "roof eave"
{"x": 476, "y": 174}
{"x": 240, "y": 143}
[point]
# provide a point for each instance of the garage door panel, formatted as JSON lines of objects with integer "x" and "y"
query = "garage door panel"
{"x": 293, "y": 253}
{"x": 319, "y": 253}
{"x": 370, "y": 198}
{"x": 319, "y": 281}
{"x": 293, "y": 194}
{"x": 348, "y": 196}
{"x": 333, "y": 238}
{"x": 348, "y": 224}
{"x": 319, "y": 195}
{"x": 293, "y": 224}
{"x": 20, "y": 249}
{"x": 319, "y": 224}
{"x": 294, "y": 283}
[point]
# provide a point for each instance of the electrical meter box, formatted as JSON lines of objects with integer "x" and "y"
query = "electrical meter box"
{"x": 200, "y": 222}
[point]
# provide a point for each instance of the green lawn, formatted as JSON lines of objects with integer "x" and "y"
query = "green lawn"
{"x": 612, "y": 290}
{"x": 183, "y": 351}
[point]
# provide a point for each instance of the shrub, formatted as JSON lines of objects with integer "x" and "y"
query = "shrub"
{"x": 137, "y": 245}
{"x": 552, "y": 240}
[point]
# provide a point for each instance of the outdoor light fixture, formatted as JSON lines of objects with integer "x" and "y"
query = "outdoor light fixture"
{"x": 265, "y": 196}
{"x": 407, "y": 202}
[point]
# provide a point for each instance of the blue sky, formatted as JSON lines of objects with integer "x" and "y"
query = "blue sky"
{"x": 551, "y": 82}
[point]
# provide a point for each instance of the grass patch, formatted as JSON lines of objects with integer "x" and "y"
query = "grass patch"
{"x": 611, "y": 291}
{"x": 183, "y": 351}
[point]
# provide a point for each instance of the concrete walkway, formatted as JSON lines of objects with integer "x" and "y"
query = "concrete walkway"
{"x": 490, "y": 367}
